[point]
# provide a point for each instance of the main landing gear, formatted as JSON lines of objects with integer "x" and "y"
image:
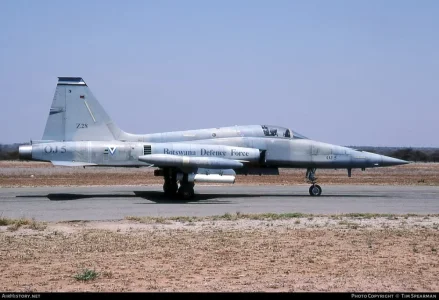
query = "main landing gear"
{"x": 314, "y": 189}
{"x": 171, "y": 188}
{"x": 186, "y": 189}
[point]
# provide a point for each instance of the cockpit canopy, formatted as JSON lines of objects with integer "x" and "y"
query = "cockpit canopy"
{"x": 281, "y": 132}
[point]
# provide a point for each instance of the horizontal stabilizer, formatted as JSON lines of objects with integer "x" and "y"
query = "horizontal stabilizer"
{"x": 168, "y": 160}
{"x": 71, "y": 163}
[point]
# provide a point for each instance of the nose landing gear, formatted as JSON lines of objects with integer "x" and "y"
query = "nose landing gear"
{"x": 314, "y": 189}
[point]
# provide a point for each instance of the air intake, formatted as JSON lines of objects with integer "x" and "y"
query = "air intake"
{"x": 147, "y": 150}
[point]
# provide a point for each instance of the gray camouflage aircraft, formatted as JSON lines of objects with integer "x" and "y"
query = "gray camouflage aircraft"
{"x": 79, "y": 132}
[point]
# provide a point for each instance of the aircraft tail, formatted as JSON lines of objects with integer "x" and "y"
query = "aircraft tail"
{"x": 76, "y": 115}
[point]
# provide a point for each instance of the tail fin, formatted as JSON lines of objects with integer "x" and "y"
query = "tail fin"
{"x": 76, "y": 115}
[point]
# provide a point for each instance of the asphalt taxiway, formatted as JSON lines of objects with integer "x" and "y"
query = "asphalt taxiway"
{"x": 117, "y": 202}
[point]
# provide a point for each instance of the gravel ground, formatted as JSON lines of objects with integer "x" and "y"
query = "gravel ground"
{"x": 228, "y": 253}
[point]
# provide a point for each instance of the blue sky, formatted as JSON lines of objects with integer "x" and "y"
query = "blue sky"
{"x": 343, "y": 72}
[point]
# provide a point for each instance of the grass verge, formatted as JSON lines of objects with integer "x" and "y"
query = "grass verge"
{"x": 15, "y": 224}
{"x": 270, "y": 216}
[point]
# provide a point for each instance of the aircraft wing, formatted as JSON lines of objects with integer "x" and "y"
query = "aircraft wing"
{"x": 71, "y": 163}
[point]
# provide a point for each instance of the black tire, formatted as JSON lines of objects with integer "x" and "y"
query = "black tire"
{"x": 186, "y": 192}
{"x": 315, "y": 190}
{"x": 170, "y": 189}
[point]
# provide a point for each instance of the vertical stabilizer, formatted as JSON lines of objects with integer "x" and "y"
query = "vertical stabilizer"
{"x": 76, "y": 115}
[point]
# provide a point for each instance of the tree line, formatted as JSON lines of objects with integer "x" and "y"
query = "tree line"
{"x": 416, "y": 155}
{"x": 9, "y": 152}
{"x": 406, "y": 153}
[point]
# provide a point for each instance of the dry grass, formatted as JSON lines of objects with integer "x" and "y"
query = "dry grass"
{"x": 18, "y": 174}
{"x": 332, "y": 253}
{"x": 15, "y": 224}
{"x": 226, "y": 216}
{"x": 272, "y": 216}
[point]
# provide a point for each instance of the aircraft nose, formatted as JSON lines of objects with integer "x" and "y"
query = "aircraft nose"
{"x": 387, "y": 161}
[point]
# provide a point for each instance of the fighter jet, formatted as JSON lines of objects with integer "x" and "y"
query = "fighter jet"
{"x": 79, "y": 132}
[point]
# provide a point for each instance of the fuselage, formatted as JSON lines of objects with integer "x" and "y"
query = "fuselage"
{"x": 267, "y": 146}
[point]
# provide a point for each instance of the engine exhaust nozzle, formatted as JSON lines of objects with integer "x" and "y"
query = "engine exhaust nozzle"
{"x": 25, "y": 152}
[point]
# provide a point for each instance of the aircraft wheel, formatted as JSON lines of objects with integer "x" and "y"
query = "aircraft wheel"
{"x": 186, "y": 192}
{"x": 170, "y": 188}
{"x": 315, "y": 190}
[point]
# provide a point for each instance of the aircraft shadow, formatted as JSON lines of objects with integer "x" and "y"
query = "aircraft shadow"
{"x": 66, "y": 196}
{"x": 159, "y": 197}
{"x": 156, "y": 197}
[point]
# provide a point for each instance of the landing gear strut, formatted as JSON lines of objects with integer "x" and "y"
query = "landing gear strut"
{"x": 314, "y": 189}
{"x": 171, "y": 188}
{"x": 186, "y": 189}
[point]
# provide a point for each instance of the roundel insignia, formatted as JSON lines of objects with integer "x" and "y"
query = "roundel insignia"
{"x": 112, "y": 149}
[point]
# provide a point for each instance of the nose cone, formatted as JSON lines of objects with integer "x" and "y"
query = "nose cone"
{"x": 387, "y": 161}
{"x": 25, "y": 152}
